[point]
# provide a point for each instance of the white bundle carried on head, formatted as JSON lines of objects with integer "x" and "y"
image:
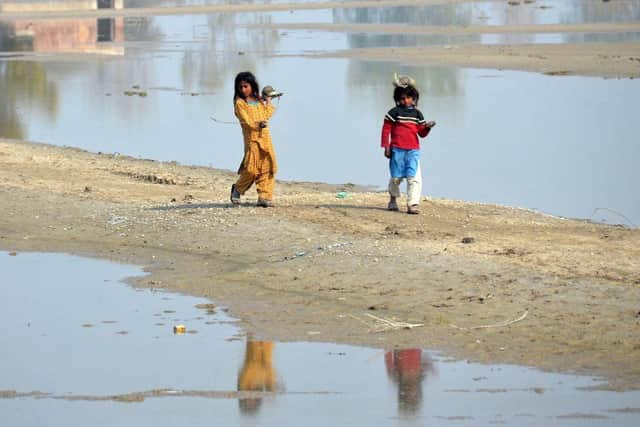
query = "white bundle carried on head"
{"x": 403, "y": 80}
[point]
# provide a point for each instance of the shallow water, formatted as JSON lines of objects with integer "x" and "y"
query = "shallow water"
{"x": 63, "y": 325}
{"x": 562, "y": 145}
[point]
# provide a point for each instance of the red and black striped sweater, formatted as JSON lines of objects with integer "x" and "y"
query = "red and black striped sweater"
{"x": 401, "y": 128}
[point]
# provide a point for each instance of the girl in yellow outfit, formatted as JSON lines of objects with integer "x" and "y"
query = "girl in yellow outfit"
{"x": 259, "y": 162}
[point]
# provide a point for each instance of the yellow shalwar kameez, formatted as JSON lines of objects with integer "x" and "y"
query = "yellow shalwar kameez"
{"x": 259, "y": 161}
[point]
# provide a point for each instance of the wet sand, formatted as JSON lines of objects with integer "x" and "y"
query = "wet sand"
{"x": 614, "y": 60}
{"x": 609, "y": 60}
{"x": 315, "y": 266}
{"x": 593, "y": 28}
{"x": 141, "y": 396}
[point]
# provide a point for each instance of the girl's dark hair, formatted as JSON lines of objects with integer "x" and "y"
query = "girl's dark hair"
{"x": 410, "y": 91}
{"x": 246, "y": 77}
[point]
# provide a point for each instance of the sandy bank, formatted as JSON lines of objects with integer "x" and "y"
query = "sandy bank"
{"x": 613, "y": 28}
{"x": 615, "y": 60}
{"x": 311, "y": 267}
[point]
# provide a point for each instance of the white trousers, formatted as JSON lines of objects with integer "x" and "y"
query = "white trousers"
{"x": 414, "y": 187}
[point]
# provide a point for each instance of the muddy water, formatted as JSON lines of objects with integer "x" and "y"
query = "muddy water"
{"x": 150, "y": 86}
{"x": 81, "y": 348}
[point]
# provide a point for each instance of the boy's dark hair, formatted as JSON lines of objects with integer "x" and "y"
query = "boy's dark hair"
{"x": 409, "y": 91}
{"x": 398, "y": 92}
{"x": 413, "y": 93}
{"x": 246, "y": 77}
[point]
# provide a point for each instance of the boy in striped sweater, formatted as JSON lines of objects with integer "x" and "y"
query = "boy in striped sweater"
{"x": 402, "y": 126}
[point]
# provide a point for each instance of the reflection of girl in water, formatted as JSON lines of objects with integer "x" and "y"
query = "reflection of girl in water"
{"x": 407, "y": 369}
{"x": 257, "y": 373}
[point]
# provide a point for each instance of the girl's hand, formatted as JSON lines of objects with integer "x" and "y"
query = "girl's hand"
{"x": 431, "y": 124}
{"x": 387, "y": 152}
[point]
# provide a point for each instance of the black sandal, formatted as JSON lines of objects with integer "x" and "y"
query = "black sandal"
{"x": 235, "y": 195}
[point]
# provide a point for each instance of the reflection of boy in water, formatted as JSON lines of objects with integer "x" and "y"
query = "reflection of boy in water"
{"x": 257, "y": 373}
{"x": 407, "y": 369}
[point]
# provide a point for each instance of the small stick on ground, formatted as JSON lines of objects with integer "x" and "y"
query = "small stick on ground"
{"x": 388, "y": 324}
{"x": 496, "y": 325}
{"x": 359, "y": 319}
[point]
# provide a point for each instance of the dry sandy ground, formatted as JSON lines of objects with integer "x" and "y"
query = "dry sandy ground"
{"x": 314, "y": 266}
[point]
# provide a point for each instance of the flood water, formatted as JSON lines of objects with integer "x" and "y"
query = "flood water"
{"x": 81, "y": 348}
{"x": 562, "y": 145}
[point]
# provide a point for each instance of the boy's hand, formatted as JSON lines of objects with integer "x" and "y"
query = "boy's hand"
{"x": 387, "y": 152}
{"x": 431, "y": 124}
